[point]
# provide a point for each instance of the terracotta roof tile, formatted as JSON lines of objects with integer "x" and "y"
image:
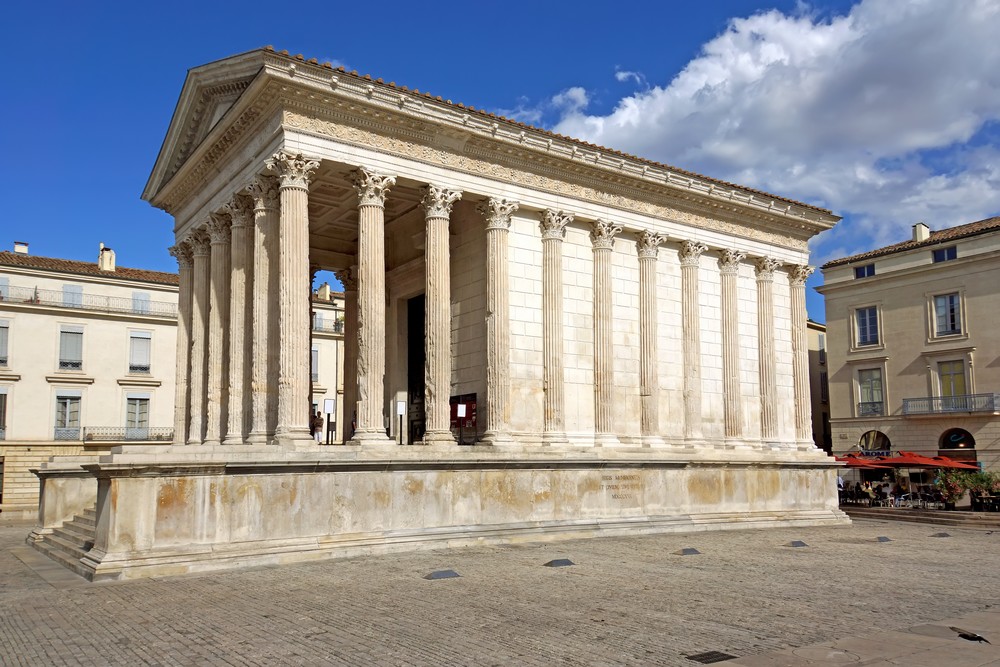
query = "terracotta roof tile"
{"x": 941, "y": 236}
{"x": 71, "y": 266}
{"x": 609, "y": 151}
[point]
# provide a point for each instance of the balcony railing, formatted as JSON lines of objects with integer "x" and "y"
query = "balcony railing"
{"x": 871, "y": 409}
{"x": 66, "y": 434}
{"x": 124, "y": 433}
{"x": 138, "y": 369}
{"x": 70, "y": 364}
{"x": 334, "y": 326}
{"x": 93, "y": 302}
{"x": 931, "y": 405}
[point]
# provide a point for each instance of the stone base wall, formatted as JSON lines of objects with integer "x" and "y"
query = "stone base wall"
{"x": 19, "y": 484}
{"x": 162, "y": 517}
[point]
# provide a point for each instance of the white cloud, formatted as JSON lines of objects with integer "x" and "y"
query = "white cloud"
{"x": 870, "y": 114}
{"x": 624, "y": 76}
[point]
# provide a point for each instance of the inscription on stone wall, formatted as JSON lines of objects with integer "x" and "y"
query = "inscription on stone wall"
{"x": 624, "y": 486}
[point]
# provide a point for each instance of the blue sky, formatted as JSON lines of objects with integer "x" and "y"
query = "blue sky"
{"x": 886, "y": 111}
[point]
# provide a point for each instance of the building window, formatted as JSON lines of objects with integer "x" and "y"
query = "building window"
{"x": 951, "y": 375}
{"x": 3, "y": 413}
{"x": 71, "y": 348}
{"x": 824, "y": 387}
{"x": 871, "y": 401}
{"x": 137, "y": 417}
{"x": 944, "y": 254}
{"x": 822, "y": 348}
{"x": 947, "y": 314}
{"x": 867, "y": 325}
{"x": 72, "y": 296}
{"x": 140, "y": 303}
{"x": 4, "y": 289}
{"x": 139, "y": 352}
{"x": 4, "y": 338}
{"x": 67, "y": 417}
{"x": 315, "y": 365}
{"x": 864, "y": 271}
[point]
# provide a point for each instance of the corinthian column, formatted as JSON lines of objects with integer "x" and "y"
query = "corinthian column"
{"x": 185, "y": 263}
{"x": 497, "y": 213}
{"x": 349, "y": 278}
{"x": 264, "y": 363}
{"x": 202, "y": 248}
{"x": 602, "y": 236}
{"x": 649, "y": 390}
{"x": 294, "y": 288}
{"x": 218, "y": 322}
{"x": 437, "y": 203}
{"x": 240, "y": 315}
{"x": 800, "y": 356}
{"x": 765, "y": 327}
{"x": 372, "y": 189}
{"x": 553, "y": 227}
{"x": 729, "y": 268}
{"x": 690, "y": 255}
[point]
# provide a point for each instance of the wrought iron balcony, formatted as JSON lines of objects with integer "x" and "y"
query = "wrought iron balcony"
{"x": 932, "y": 405}
{"x": 138, "y": 369}
{"x": 94, "y": 302}
{"x": 328, "y": 326}
{"x": 70, "y": 365}
{"x": 66, "y": 433}
{"x": 871, "y": 409}
{"x": 125, "y": 433}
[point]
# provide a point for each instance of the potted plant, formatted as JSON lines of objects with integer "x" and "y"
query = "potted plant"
{"x": 951, "y": 485}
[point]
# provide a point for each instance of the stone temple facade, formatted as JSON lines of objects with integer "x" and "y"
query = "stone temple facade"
{"x": 628, "y": 339}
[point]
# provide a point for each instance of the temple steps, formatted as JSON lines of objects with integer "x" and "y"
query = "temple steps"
{"x": 963, "y": 519}
{"x": 71, "y": 541}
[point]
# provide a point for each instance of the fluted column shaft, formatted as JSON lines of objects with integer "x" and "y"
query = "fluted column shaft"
{"x": 603, "y": 239}
{"x": 497, "y": 213}
{"x": 199, "y": 336}
{"x": 649, "y": 386}
{"x": 218, "y": 338}
{"x": 553, "y": 226}
{"x": 240, "y": 316}
{"x": 729, "y": 269}
{"x": 294, "y": 289}
{"x": 185, "y": 264}
{"x": 765, "y": 267}
{"x": 690, "y": 256}
{"x": 800, "y": 357}
{"x": 372, "y": 189}
{"x": 349, "y": 278}
{"x": 263, "y": 371}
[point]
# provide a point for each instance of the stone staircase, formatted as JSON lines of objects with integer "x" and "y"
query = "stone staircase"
{"x": 71, "y": 541}
{"x": 960, "y": 518}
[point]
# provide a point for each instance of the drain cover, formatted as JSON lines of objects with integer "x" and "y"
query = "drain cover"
{"x": 709, "y": 657}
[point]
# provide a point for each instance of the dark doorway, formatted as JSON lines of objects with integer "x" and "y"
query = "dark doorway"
{"x": 415, "y": 357}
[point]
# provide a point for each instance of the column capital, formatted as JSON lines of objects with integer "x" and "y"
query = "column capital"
{"x": 691, "y": 252}
{"x": 766, "y": 267}
{"x": 437, "y": 201}
{"x": 497, "y": 212}
{"x": 648, "y": 245}
{"x": 729, "y": 260}
{"x": 200, "y": 243}
{"x": 798, "y": 273}
{"x": 372, "y": 187}
{"x": 603, "y": 235}
{"x": 219, "y": 228}
{"x": 293, "y": 171}
{"x": 263, "y": 190}
{"x": 553, "y": 224}
{"x": 348, "y": 278}
{"x": 240, "y": 211}
{"x": 183, "y": 253}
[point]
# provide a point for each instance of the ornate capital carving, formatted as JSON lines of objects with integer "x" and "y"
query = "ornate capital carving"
{"x": 648, "y": 245}
{"x": 798, "y": 273}
{"x": 766, "y": 267}
{"x": 603, "y": 235}
{"x": 437, "y": 202}
{"x": 372, "y": 188}
{"x": 183, "y": 253}
{"x": 497, "y": 212}
{"x": 691, "y": 252}
{"x": 240, "y": 211}
{"x": 348, "y": 278}
{"x": 294, "y": 171}
{"x": 553, "y": 224}
{"x": 219, "y": 228}
{"x": 200, "y": 244}
{"x": 729, "y": 260}
{"x": 263, "y": 190}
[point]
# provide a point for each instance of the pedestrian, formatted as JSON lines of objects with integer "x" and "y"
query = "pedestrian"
{"x": 316, "y": 424}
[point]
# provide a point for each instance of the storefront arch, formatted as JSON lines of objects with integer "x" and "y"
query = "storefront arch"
{"x": 874, "y": 441}
{"x": 956, "y": 438}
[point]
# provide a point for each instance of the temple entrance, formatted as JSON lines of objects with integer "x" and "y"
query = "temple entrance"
{"x": 415, "y": 357}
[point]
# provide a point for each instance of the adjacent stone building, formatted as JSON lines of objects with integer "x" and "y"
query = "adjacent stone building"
{"x": 622, "y": 343}
{"x": 914, "y": 355}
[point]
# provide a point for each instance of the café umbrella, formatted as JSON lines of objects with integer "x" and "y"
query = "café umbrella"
{"x": 912, "y": 460}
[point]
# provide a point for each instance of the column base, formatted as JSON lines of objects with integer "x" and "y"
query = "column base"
{"x": 236, "y": 440}
{"x": 554, "y": 438}
{"x": 438, "y": 438}
{"x": 211, "y": 443}
{"x": 296, "y": 439}
{"x": 260, "y": 439}
{"x": 653, "y": 441}
{"x": 606, "y": 440}
{"x": 369, "y": 438}
{"x": 497, "y": 439}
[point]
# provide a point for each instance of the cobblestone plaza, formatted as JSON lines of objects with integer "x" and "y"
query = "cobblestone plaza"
{"x": 628, "y": 601}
